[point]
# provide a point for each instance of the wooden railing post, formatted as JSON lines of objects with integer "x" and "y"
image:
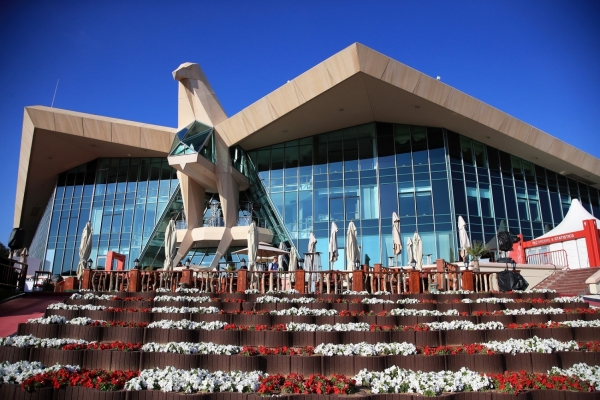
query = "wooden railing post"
{"x": 414, "y": 282}
{"x": 377, "y": 275}
{"x": 242, "y": 280}
{"x": 467, "y": 281}
{"x": 439, "y": 277}
{"x": 87, "y": 279}
{"x": 135, "y": 280}
{"x": 358, "y": 284}
{"x": 186, "y": 277}
{"x": 299, "y": 284}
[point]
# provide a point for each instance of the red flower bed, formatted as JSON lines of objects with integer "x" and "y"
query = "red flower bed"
{"x": 133, "y": 299}
{"x": 530, "y": 325}
{"x": 297, "y": 384}
{"x": 590, "y": 346}
{"x": 517, "y": 382}
{"x": 96, "y": 379}
{"x": 116, "y": 345}
{"x": 118, "y": 309}
{"x": 464, "y": 349}
{"x": 119, "y": 324}
{"x": 279, "y": 350}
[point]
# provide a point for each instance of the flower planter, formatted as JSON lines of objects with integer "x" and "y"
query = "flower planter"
{"x": 78, "y": 392}
{"x": 97, "y": 359}
{"x": 157, "y": 335}
{"x": 475, "y": 296}
{"x": 214, "y": 362}
{"x": 424, "y": 296}
{"x": 336, "y": 320}
{"x": 425, "y": 363}
{"x": 89, "y": 333}
{"x": 14, "y": 354}
{"x": 138, "y": 304}
{"x": 314, "y": 306}
{"x": 162, "y": 360}
{"x": 572, "y": 316}
{"x": 300, "y": 339}
{"x": 109, "y": 303}
{"x": 14, "y": 392}
{"x": 282, "y": 319}
{"x": 377, "y": 337}
{"x": 517, "y": 306}
{"x": 427, "y": 338}
{"x": 145, "y": 295}
{"x": 159, "y": 316}
{"x": 586, "y": 334}
{"x": 421, "y": 306}
{"x": 524, "y": 319}
{"x": 41, "y": 331}
{"x": 478, "y": 307}
{"x": 98, "y": 315}
{"x": 562, "y": 334}
{"x": 504, "y": 319}
{"x": 56, "y": 356}
{"x": 219, "y": 337}
{"x": 571, "y": 306}
{"x": 247, "y": 364}
{"x": 358, "y": 307}
{"x": 505, "y": 334}
{"x": 386, "y": 320}
{"x": 170, "y": 303}
{"x": 353, "y": 337}
{"x": 327, "y": 337}
{"x": 504, "y": 295}
{"x": 265, "y": 306}
{"x": 570, "y": 358}
{"x": 198, "y": 317}
{"x": 408, "y": 320}
{"x": 449, "y": 318}
{"x": 339, "y": 306}
{"x": 561, "y": 317}
{"x": 543, "y": 362}
{"x": 245, "y": 319}
{"x": 236, "y": 295}
{"x": 591, "y": 317}
{"x": 375, "y": 363}
{"x": 531, "y": 296}
{"x": 343, "y": 365}
{"x": 303, "y": 319}
{"x": 483, "y": 363}
{"x": 68, "y": 314}
{"x": 248, "y": 306}
{"x": 134, "y": 316}
{"x": 229, "y": 307}
{"x": 403, "y": 336}
{"x": 369, "y": 319}
{"x": 518, "y": 362}
{"x": 285, "y": 306}
{"x": 277, "y": 338}
{"x": 183, "y": 335}
{"x": 375, "y": 307}
{"x": 124, "y": 360}
{"x": 306, "y": 365}
{"x": 448, "y": 297}
{"x": 132, "y": 335}
{"x": 79, "y": 302}
{"x": 252, "y": 338}
{"x": 458, "y": 337}
{"x": 276, "y": 364}
{"x": 460, "y": 307}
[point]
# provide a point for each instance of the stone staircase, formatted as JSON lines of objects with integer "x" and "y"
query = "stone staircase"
{"x": 568, "y": 282}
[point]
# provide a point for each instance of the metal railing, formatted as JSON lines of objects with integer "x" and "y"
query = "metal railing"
{"x": 557, "y": 258}
{"x": 390, "y": 280}
{"x": 12, "y": 274}
{"x": 108, "y": 281}
{"x": 153, "y": 280}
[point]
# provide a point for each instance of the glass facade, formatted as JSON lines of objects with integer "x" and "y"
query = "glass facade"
{"x": 428, "y": 176}
{"x": 122, "y": 197}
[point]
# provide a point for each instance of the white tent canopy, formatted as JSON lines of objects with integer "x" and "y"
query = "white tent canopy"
{"x": 573, "y": 221}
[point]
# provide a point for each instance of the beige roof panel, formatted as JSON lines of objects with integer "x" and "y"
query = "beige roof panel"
{"x": 286, "y": 98}
{"x": 432, "y": 90}
{"x": 370, "y": 61}
{"x": 401, "y": 76}
{"x": 68, "y": 124}
{"x": 260, "y": 113}
{"x": 342, "y": 65}
{"x": 314, "y": 82}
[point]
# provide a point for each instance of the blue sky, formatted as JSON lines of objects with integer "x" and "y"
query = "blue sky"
{"x": 535, "y": 60}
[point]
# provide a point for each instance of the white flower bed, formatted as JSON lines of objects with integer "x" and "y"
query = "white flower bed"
{"x": 272, "y": 299}
{"x": 19, "y": 371}
{"x": 306, "y": 311}
{"x": 463, "y": 325}
{"x": 534, "y": 311}
{"x": 350, "y": 327}
{"x": 409, "y": 312}
{"x": 192, "y": 299}
{"x": 580, "y": 324}
{"x": 52, "y": 319}
{"x": 304, "y": 300}
{"x": 195, "y": 380}
{"x": 75, "y": 307}
{"x": 535, "y": 291}
{"x": 188, "y": 290}
{"x": 83, "y": 321}
{"x": 408, "y": 301}
{"x": 458, "y": 292}
{"x": 495, "y": 300}
{"x": 183, "y": 310}
{"x": 467, "y": 301}
{"x": 568, "y": 299}
{"x": 192, "y": 348}
{"x": 251, "y": 291}
{"x": 163, "y": 290}
{"x": 91, "y": 296}
{"x": 186, "y": 324}
{"x": 355, "y": 293}
{"x": 590, "y": 374}
{"x": 32, "y": 341}
{"x": 287, "y": 291}
{"x": 533, "y": 345}
{"x": 376, "y": 301}
{"x": 382, "y": 293}
{"x": 365, "y": 349}
{"x": 398, "y": 380}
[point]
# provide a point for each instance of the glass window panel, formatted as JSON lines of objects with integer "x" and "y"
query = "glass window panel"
{"x": 460, "y": 199}
{"x": 277, "y": 159}
{"x": 419, "y": 145}
{"x": 467, "y": 152}
{"x": 407, "y": 204}
{"x": 424, "y": 203}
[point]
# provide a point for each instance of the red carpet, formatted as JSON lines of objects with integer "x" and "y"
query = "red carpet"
{"x": 20, "y": 310}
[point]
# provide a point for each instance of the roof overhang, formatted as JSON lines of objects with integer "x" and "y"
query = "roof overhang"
{"x": 54, "y": 141}
{"x": 359, "y": 85}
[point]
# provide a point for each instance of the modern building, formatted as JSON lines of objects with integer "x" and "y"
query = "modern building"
{"x": 355, "y": 138}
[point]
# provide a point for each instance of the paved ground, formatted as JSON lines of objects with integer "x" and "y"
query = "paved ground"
{"x": 21, "y": 309}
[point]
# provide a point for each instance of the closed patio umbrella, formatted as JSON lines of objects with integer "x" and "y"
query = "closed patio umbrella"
{"x": 293, "y": 260}
{"x": 85, "y": 249}
{"x": 252, "y": 246}
{"x": 170, "y": 245}
{"x": 333, "y": 247}
{"x": 396, "y": 236}
{"x": 312, "y": 249}
{"x": 410, "y": 254}
{"x": 352, "y": 252}
{"x": 280, "y": 257}
{"x": 418, "y": 250}
{"x": 463, "y": 237}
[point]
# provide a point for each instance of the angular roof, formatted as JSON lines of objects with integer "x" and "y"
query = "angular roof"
{"x": 359, "y": 85}
{"x": 54, "y": 141}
